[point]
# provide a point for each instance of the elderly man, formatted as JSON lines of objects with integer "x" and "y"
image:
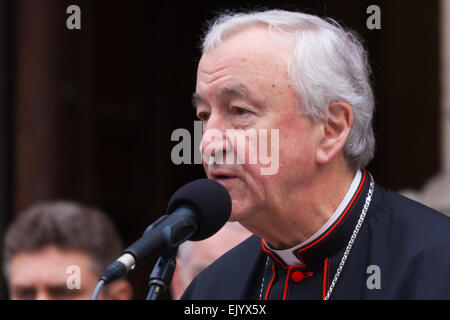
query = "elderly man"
{"x": 323, "y": 229}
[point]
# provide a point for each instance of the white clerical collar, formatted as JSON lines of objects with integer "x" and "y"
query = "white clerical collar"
{"x": 288, "y": 255}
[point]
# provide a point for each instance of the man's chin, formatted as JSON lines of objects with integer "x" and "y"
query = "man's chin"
{"x": 239, "y": 211}
{"x": 233, "y": 218}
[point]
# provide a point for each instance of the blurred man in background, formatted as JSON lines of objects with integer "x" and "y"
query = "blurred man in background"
{"x": 58, "y": 250}
{"x": 194, "y": 256}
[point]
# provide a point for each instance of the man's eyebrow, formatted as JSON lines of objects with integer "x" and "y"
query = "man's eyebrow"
{"x": 196, "y": 98}
{"x": 234, "y": 91}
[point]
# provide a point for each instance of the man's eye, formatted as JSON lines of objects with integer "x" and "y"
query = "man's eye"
{"x": 25, "y": 294}
{"x": 62, "y": 292}
{"x": 239, "y": 111}
{"x": 203, "y": 116}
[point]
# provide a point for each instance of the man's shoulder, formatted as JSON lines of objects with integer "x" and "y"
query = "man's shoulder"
{"x": 414, "y": 220}
{"x": 409, "y": 208}
{"x": 409, "y": 241}
{"x": 251, "y": 245}
{"x": 226, "y": 278}
{"x": 243, "y": 253}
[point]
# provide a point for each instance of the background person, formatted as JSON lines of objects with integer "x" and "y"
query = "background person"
{"x": 194, "y": 256}
{"x": 48, "y": 238}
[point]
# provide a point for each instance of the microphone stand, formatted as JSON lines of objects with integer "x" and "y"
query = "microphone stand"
{"x": 161, "y": 275}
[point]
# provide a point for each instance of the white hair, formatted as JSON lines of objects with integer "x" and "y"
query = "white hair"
{"x": 328, "y": 64}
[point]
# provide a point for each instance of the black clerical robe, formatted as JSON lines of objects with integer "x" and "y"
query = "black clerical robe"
{"x": 402, "y": 251}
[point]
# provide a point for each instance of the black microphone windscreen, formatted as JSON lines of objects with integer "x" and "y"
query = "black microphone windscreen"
{"x": 210, "y": 201}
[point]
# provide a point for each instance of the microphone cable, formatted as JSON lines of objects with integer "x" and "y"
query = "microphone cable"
{"x": 97, "y": 290}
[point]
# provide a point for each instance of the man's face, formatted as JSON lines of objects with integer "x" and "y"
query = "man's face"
{"x": 244, "y": 84}
{"x": 43, "y": 275}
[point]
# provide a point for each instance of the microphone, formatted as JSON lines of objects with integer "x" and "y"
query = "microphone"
{"x": 196, "y": 211}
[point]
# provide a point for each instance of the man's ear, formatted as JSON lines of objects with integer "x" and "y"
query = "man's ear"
{"x": 336, "y": 128}
{"x": 119, "y": 290}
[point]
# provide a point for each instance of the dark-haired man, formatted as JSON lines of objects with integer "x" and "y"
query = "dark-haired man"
{"x": 58, "y": 250}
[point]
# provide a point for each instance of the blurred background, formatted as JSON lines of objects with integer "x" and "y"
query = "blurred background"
{"x": 87, "y": 115}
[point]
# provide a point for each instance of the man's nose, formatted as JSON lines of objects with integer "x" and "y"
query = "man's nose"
{"x": 42, "y": 295}
{"x": 214, "y": 140}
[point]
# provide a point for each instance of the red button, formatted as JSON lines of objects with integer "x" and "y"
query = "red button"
{"x": 297, "y": 276}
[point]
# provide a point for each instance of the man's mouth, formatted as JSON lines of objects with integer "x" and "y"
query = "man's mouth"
{"x": 223, "y": 177}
